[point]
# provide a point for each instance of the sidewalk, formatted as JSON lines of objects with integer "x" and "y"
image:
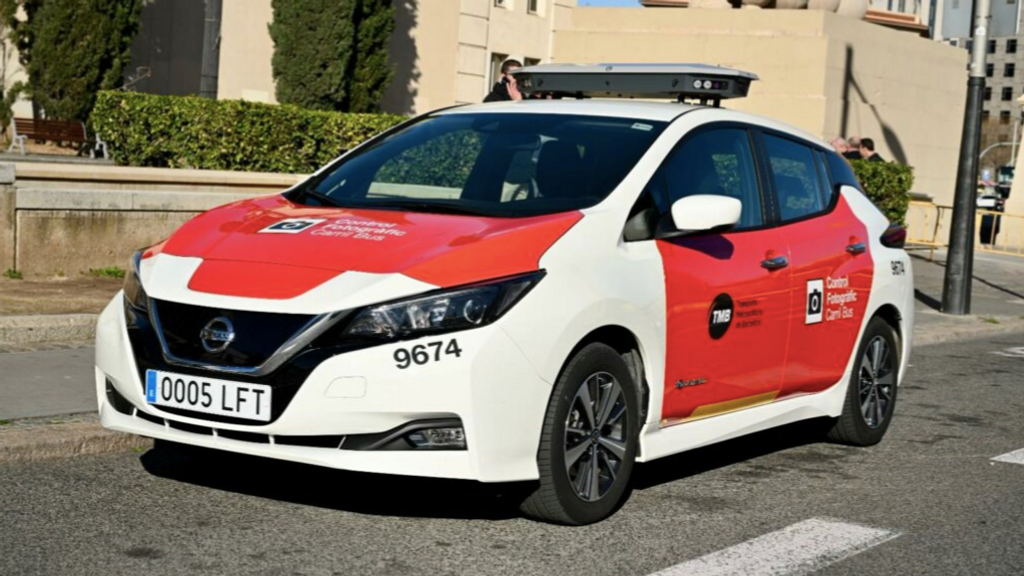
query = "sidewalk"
{"x": 997, "y": 298}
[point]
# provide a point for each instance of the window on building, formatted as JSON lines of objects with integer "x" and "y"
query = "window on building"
{"x": 991, "y": 46}
{"x": 1004, "y": 117}
{"x": 531, "y": 61}
{"x": 988, "y": 93}
{"x": 985, "y": 114}
{"x": 502, "y": 3}
{"x": 496, "y": 62}
{"x": 990, "y": 70}
{"x": 970, "y": 45}
{"x": 1011, "y": 46}
{"x": 1009, "y": 70}
{"x": 533, "y": 6}
{"x": 1007, "y": 94}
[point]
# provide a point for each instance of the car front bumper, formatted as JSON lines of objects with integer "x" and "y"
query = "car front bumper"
{"x": 490, "y": 387}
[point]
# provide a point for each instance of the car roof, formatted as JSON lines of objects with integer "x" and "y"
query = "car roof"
{"x": 634, "y": 109}
{"x": 631, "y": 109}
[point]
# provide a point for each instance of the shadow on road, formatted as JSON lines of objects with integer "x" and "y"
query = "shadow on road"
{"x": 935, "y": 304}
{"x": 927, "y": 300}
{"x": 373, "y": 494}
{"x": 732, "y": 452}
{"x": 383, "y": 495}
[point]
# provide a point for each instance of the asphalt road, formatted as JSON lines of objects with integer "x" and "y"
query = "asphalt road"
{"x": 929, "y": 500}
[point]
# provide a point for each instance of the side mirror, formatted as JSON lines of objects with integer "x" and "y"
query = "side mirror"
{"x": 700, "y": 214}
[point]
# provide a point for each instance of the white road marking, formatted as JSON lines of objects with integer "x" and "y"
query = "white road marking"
{"x": 798, "y": 549}
{"x": 1011, "y": 352}
{"x": 1015, "y": 457}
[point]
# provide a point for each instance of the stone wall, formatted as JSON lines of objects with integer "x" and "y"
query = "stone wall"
{"x": 62, "y": 220}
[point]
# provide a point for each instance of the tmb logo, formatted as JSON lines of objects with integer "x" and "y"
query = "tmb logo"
{"x": 292, "y": 225}
{"x": 815, "y": 301}
{"x": 720, "y": 316}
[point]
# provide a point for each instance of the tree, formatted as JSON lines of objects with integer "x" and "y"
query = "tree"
{"x": 332, "y": 54}
{"x": 371, "y": 74}
{"x": 71, "y": 49}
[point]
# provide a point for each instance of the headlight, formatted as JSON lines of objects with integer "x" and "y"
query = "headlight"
{"x": 444, "y": 311}
{"x": 133, "y": 292}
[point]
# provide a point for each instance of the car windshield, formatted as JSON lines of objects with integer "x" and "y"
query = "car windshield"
{"x": 490, "y": 164}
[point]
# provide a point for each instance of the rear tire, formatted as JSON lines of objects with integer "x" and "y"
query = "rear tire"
{"x": 595, "y": 386}
{"x": 871, "y": 393}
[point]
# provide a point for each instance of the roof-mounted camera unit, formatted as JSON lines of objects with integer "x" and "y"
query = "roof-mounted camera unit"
{"x": 699, "y": 83}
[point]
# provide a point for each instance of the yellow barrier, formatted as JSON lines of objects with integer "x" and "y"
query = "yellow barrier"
{"x": 928, "y": 227}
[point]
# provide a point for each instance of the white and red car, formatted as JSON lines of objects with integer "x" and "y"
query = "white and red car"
{"x": 545, "y": 290}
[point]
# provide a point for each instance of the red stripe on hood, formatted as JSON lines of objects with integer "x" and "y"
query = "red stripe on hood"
{"x": 440, "y": 249}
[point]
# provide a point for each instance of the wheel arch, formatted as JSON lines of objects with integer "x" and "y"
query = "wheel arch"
{"x": 626, "y": 343}
{"x": 892, "y": 316}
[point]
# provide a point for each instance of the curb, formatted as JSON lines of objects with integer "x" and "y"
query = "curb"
{"x": 45, "y": 328}
{"x": 41, "y": 439}
{"x": 965, "y": 328}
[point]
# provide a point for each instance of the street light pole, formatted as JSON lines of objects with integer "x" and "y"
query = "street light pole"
{"x": 956, "y": 293}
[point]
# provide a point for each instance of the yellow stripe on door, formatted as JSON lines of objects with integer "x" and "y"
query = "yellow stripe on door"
{"x": 709, "y": 410}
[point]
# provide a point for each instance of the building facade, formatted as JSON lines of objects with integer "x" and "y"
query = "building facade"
{"x": 444, "y": 51}
{"x": 1004, "y": 84}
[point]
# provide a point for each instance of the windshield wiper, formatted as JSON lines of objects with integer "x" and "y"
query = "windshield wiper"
{"x": 322, "y": 198}
{"x": 427, "y": 206}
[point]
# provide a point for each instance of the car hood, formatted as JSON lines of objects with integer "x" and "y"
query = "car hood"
{"x": 272, "y": 248}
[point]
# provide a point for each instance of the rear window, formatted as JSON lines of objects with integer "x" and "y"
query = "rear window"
{"x": 489, "y": 164}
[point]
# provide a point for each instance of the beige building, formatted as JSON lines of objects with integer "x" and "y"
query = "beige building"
{"x": 827, "y": 74}
{"x": 446, "y": 51}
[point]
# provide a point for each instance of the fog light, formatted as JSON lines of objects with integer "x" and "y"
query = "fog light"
{"x": 450, "y": 438}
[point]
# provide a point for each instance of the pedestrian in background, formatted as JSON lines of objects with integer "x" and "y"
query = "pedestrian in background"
{"x": 853, "y": 148}
{"x": 839, "y": 145}
{"x": 867, "y": 151}
{"x": 506, "y": 89}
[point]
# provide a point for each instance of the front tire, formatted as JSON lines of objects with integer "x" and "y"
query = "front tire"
{"x": 589, "y": 441}
{"x": 871, "y": 393}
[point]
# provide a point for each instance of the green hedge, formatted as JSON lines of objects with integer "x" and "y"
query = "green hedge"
{"x": 193, "y": 132}
{"x": 888, "y": 185}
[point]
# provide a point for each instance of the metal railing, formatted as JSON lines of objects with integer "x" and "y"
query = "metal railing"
{"x": 995, "y": 232}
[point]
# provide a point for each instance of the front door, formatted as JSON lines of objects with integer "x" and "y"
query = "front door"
{"x": 728, "y": 295}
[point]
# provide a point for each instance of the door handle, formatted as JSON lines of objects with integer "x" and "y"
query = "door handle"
{"x": 857, "y": 248}
{"x": 775, "y": 263}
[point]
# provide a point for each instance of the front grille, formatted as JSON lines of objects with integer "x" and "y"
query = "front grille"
{"x": 257, "y": 334}
{"x": 285, "y": 379}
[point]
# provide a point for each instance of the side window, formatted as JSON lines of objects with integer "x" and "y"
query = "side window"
{"x": 717, "y": 162}
{"x": 794, "y": 173}
{"x": 841, "y": 171}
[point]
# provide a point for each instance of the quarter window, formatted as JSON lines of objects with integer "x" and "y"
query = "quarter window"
{"x": 717, "y": 162}
{"x": 794, "y": 174}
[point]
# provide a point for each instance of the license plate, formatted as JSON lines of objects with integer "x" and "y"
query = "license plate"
{"x": 209, "y": 395}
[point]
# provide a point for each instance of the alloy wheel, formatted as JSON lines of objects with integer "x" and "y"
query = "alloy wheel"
{"x": 595, "y": 436}
{"x": 877, "y": 378}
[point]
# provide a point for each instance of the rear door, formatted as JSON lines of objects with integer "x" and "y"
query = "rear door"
{"x": 830, "y": 262}
{"x": 728, "y": 295}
